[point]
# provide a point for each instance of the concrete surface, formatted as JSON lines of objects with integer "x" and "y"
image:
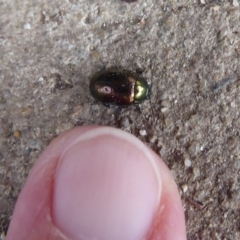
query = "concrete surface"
{"x": 189, "y": 52}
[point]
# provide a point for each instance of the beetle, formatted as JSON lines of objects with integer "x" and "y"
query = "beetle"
{"x": 119, "y": 87}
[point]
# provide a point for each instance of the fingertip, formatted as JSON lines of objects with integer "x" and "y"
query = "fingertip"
{"x": 101, "y": 179}
{"x": 107, "y": 182}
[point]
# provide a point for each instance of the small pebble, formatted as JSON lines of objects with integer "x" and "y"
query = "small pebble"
{"x": 184, "y": 188}
{"x": 125, "y": 123}
{"x": 77, "y": 112}
{"x": 194, "y": 148}
{"x": 143, "y": 132}
{"x": 40, "y": 79}
{"x": 164, "y": 110}
{"x": 63, "y": 127}
{"x": 153, "y": 139}
{"x": 17, "y": 134}
{"x": 187, "y": 162}
{"x": 162, "y": 152}
{"x": 26, "y": 111}
{"x": 196, "y": 172}
{"x": 95, "y": 54}
{"x": 27, "y": 26}
{"x": 215, "y": 8}
{"x": 235, "y": 3}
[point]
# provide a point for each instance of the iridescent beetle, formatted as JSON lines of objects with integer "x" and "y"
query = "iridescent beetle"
{"x": 116, "y": 86}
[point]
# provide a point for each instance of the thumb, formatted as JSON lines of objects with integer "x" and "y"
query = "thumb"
{"x": 98, "y": 183}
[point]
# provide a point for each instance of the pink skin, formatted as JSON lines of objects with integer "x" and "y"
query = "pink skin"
{"x": 75, "y": 192}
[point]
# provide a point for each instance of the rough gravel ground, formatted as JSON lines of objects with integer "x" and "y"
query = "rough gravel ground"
{"x": 188, "y": 50}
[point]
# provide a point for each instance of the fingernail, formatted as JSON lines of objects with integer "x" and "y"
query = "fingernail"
{"x": 106, "y": 186}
